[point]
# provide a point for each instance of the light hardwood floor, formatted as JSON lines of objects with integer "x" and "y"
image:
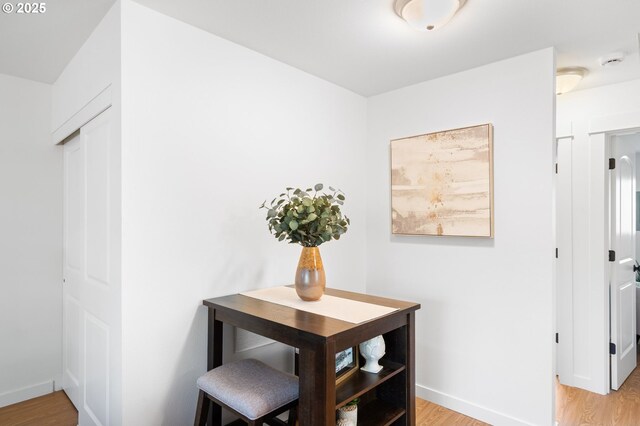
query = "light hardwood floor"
{"x": 428, "y": 413}
{"x": 619, "y": 408}
{"x": 53, "y": 409}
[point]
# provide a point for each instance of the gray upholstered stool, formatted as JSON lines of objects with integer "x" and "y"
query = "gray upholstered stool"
{"x": 251, "y": 389}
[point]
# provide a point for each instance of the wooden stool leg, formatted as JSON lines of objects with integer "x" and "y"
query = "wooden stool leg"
{"x": 293, "y": 416}
{"x": 202, "y": 410}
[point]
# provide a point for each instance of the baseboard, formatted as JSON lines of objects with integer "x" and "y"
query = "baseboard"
{"x": 27, "y": 392}
{"x": 467, "y": 408}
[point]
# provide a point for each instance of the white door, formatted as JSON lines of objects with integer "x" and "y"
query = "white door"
{"x": 622, "y": 285}
{"x": 89, "y": 306}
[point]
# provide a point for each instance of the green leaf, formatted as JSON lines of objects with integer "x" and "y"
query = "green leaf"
{"x": 297, "y": 191}
{"x": 307, "y": 202}
{"x": 289, "y": 189}
{"x": 340, "y": 197}
{"x": 312, "y": 217}
{"x": 282, "y": 237}
{"x": 331, "y": 189}
{"x": 293, "y": 225}
{"x": 271, "y": 213}
{"x": 311, "y": 209}
{"x": 318, "y": 187}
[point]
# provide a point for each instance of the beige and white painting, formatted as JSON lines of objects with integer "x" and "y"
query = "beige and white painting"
{"x": 442, "y": 183}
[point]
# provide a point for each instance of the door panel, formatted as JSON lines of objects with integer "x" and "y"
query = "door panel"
{"x": 622, "y": 285}
{"x": 72, "y": 321}
{"x": 90, "y": 300}
{"x": 96, "y": 399}
{"x": 96, "y": 140}
{"x": 74, "y": 191}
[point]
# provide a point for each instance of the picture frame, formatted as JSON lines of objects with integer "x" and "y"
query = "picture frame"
{"x": 442, "y": 183}
{"x": 347, "y": 363}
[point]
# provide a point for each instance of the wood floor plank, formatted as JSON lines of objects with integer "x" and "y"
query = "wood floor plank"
{"x": 428, "y": 413}
{"x": 53, "y": 409}
{"x": 578, "y": 407}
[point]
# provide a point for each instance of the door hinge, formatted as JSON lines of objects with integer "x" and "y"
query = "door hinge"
{"x": 557, "y": 338}
{"x": 612, "y": 348}
{"x": 612, "y": 256}
{"x": 556, "y": 168}
{"x": 556, "y": 252}
{"x": 612, "y": 163}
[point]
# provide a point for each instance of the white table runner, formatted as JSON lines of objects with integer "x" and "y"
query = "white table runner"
{"x": 331, "y": 306}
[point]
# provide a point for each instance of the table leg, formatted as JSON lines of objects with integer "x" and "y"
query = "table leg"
{"x": 214, "y": 359}
{"x": 317, "y": 403}
{"x": 411, "y": 371}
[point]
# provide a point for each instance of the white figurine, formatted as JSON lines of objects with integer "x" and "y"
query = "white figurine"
{"x": 372, "y": 350}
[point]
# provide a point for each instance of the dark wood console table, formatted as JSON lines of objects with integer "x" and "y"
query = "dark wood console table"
{"x": 387, "y": 398}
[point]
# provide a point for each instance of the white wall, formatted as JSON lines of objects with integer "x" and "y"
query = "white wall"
{"x": 31, "y": 243}
{"x": 585, "y": 348}
{"x": 91, "y": 70}
{"x": 484, "y": 334}
{"x": 211, "y": 129}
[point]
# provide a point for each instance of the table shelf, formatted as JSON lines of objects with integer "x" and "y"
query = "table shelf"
{"x": 362, "y": 382}
{"x": 378, "y": 413}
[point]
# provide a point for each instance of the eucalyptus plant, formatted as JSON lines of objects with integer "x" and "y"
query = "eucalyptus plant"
{"x": 309, "y": 218}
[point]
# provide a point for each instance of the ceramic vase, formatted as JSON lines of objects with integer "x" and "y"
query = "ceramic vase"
{"x": 310, "y": 279}
{"x": 348, "y": 415}
{"x": 372, "y": 350}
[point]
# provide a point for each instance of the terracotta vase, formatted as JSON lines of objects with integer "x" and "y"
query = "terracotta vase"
{"x": 310, "y": 279}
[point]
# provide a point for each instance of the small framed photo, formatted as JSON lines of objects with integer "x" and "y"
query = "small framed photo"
{"x": 347, "y": 363}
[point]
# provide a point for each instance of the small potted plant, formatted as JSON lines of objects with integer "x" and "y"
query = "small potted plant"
{"x": 348, "y": 414}
{"x": 308, "y": 217}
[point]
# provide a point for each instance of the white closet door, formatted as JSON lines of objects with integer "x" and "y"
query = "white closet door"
{"x": 623, "y": 286}
{"x": 89, "y": 299}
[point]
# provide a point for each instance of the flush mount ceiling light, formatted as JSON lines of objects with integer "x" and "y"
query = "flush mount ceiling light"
{"x": 427, "y": 15}
{"x": 568, "y": 78}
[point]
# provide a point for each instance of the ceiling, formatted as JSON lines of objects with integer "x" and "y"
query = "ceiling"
{"x": 39, "y": 46}
{"x": 358, "y": 44}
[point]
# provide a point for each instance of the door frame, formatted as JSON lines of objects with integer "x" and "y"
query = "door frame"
{"x": 616, "y": 273}
{"x": 594, "y": 149}
{"x": 602, "y": 130}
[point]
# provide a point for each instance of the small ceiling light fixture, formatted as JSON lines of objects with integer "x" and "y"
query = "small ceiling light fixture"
{"x": 568, "y": 78}
{"x": 427, "y": 15}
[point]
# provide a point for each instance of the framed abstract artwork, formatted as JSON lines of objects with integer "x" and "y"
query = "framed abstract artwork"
{"x": 442, "y": 183}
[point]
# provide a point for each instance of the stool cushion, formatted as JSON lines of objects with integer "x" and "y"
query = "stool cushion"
{"x": 250, "y": 387}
